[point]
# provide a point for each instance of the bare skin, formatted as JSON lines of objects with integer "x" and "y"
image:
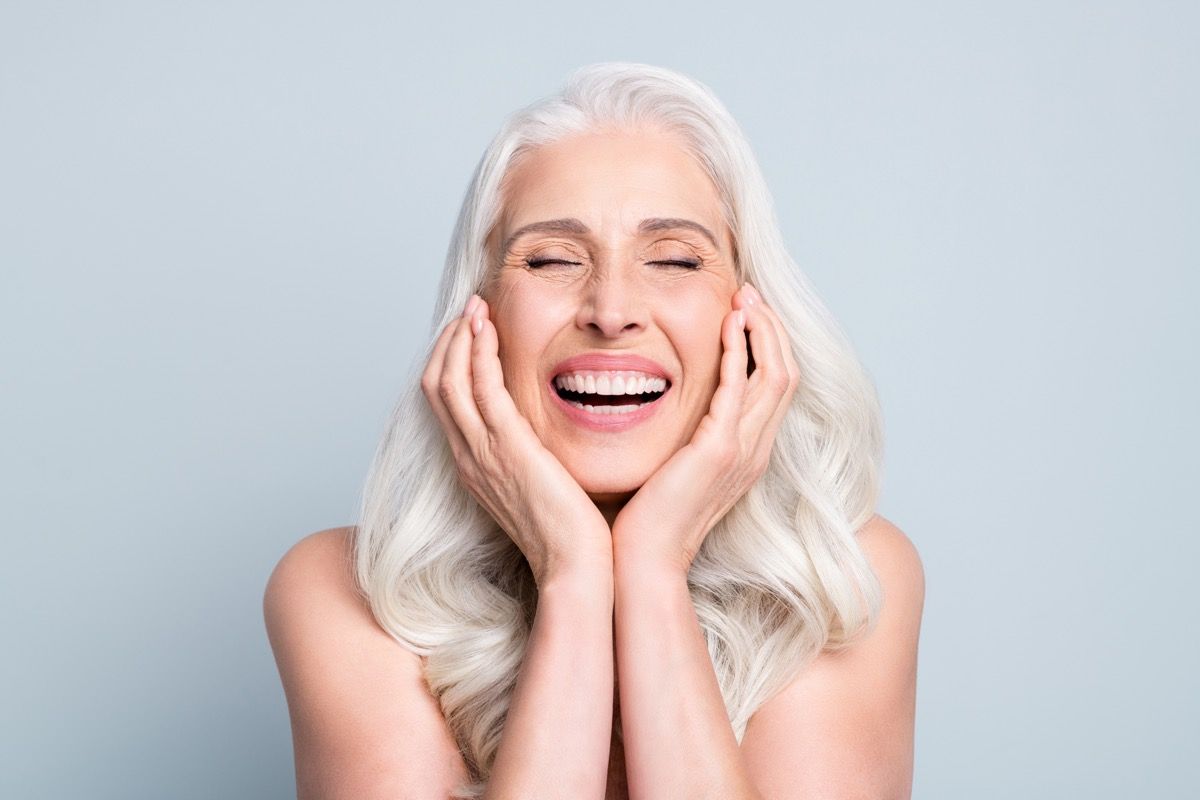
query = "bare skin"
{"x": 610, "y": 520}
{"x": 607, "y": 281}
{"x": 844, "y": 725}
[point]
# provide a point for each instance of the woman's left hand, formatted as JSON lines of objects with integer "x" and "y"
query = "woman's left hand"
{"x": 667, "y": 519}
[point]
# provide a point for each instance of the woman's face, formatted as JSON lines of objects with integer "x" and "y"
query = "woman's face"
{"x": 603, "y": 270}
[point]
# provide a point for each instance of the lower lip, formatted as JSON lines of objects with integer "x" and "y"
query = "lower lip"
{"x": 608, "y": 423}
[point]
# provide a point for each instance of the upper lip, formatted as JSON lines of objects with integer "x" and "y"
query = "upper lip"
{"x": 612, "y": 361}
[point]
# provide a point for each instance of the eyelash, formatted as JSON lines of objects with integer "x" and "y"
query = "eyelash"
{"x": 538, "y": 262}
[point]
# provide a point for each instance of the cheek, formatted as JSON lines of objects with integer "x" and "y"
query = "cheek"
{"x": 525, "y": 327}
{"x": 696, "y": 333}
{"x": 528, "y": 311}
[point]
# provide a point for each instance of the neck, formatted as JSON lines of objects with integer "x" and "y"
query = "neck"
{"x": 610, "y": 505}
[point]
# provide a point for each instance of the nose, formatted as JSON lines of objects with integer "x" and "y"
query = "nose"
{"x": 611, "y": 305}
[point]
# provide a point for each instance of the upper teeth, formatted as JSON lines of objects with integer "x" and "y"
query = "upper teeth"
{"x": 611, "y": 382}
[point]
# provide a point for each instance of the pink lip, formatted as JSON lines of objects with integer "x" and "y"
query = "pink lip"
{"x": 608, "y": 423}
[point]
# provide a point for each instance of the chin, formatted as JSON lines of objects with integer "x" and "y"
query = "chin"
{"x": 605, "y": 481}
{"x": 609, "y": 485}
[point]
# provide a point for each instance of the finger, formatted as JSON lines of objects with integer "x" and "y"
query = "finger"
{"x": 743, "y": 298}
{"x": 793, "y": 369}
{"x": 726, "y": 405}
{"x": 768, "y": 430}
{"x": 430, "y": 380}
{"x": 456, "y": 382}
{"x": 495, "y": 404}
{"x": 769, "y": 383}
{"x": 437, "y": 355}
{"x": 785, "y": 342}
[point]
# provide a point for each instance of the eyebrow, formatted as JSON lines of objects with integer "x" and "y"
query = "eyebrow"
{"x": 570, "y": 225}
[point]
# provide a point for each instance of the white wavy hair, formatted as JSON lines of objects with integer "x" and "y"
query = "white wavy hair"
{"x": 780, "y": 578}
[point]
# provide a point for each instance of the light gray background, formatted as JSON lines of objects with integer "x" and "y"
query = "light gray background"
{"x": 221, "y": 226}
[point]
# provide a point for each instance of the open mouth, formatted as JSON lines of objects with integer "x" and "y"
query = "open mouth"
{"x": 610, "y": 394}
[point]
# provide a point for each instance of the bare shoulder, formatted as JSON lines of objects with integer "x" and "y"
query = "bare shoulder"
{"x": 364, "y": 724}
{"x": 844, "y": 726}
{"x": 894, "y": 558}
{"x": 319, "y": 564}
{"x": 313, "y": 590}
{"x": 323, "y": 556}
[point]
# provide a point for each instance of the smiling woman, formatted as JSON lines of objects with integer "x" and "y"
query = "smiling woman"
{"x": 626, "y": 273}
{"x": 620, "y": 539}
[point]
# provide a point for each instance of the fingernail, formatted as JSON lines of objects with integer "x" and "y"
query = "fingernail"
{"x": 474, "y": 301}
{"x": 752, "y": 295}
{"x": 741, "y": 318}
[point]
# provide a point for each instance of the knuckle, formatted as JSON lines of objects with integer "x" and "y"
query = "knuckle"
{"x": 793, "y": 367}
{"x": 492, "y": 449}
{"x": 482, "y": 396}
{"x": 725, "y": 455}
{"x": 446, "y": 389}
{"x": 465, "y": 467}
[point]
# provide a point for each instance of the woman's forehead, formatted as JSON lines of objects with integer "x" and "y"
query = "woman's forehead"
{"x": 608, "y": 163}
{"x": 623, "y": 184}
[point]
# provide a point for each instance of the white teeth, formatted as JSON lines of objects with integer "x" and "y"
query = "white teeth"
{"x": 627, "y": 384}
{"x": 622, "y": 409}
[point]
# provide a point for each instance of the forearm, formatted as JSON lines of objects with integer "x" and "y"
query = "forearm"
{"x": 677, "y": 736}
{"x": 558, "y": 729}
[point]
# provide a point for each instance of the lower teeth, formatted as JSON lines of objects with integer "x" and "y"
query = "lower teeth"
{"x": 624, "y": 408}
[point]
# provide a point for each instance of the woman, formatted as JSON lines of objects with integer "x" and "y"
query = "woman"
{"x": 619, "y": 539}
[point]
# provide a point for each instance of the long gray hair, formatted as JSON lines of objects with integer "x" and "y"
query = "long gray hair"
{"x": 780, "y": 578}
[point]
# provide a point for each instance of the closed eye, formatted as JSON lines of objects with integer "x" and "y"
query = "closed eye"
{"x": 534, "y": 263}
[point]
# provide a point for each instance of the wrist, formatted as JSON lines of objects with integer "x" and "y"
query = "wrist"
{"x": 662, "y": 546}
{"x": 649, "y": 564}
{"x": 579, "y": 576}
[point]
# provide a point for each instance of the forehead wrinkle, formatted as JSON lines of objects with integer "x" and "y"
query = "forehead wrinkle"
{"x": 573, "y": 226}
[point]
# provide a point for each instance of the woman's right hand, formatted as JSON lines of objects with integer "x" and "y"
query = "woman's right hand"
{"x": 500, "y": 458}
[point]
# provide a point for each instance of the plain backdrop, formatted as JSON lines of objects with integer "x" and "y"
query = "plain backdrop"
{"x": 222, "y": 225}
